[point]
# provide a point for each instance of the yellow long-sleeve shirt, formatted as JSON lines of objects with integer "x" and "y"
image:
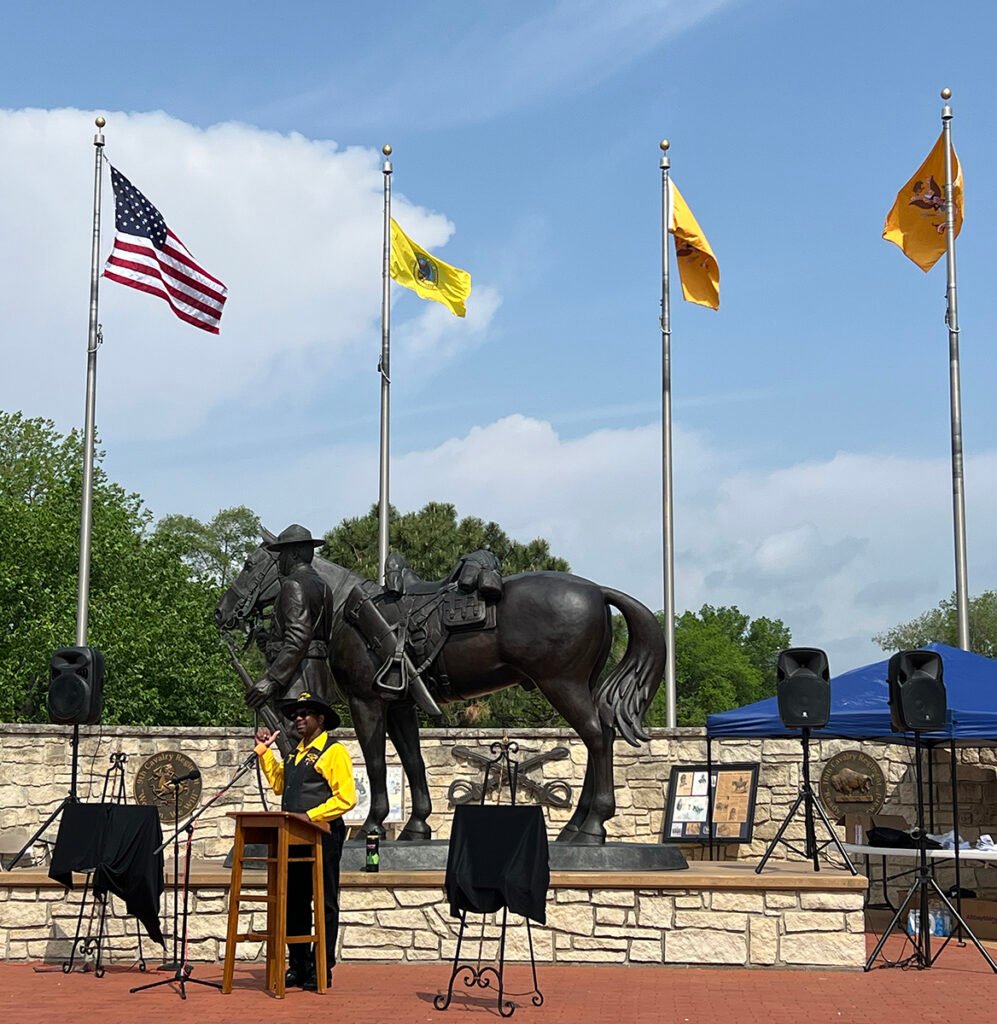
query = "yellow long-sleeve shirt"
{"x": 334, "y": 766}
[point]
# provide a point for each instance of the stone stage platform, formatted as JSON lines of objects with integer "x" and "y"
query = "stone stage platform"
{"x": 431, "y": 855}
{"x": 713, "y": 913}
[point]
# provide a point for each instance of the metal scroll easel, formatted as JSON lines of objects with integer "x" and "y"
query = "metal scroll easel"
{"x": 476, "y": 974}
{"x": 88, "y": 945}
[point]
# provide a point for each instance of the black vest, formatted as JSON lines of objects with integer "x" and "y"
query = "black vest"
{"x": 304, "y": 787}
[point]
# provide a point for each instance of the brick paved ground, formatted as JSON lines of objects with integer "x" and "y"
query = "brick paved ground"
{"x": 959, "y": 987}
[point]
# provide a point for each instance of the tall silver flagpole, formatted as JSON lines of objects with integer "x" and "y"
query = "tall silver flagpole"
{"x": 93, "y": 341}
{"x": 384, "y": 369}
{"x": 667, "y": 525}
{"x": 955, "y": 393}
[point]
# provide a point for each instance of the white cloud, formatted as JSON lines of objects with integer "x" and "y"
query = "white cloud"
{"x": 839, "y": 550}
{"x": 437, "y": 335}
{"x": 493, "y": 67}
{"x": 292, "y": 226}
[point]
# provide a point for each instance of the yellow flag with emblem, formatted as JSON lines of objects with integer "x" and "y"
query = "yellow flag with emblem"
{"x": 431, "y": 278}
{"x": 698, "y": 267}
{"x": 916, "y": 222}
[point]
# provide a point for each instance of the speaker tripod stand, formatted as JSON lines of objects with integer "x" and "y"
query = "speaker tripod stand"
{"x": 70, "y": 798}
{"x": 808, "y": 800}
{"x": 924, "y": 889}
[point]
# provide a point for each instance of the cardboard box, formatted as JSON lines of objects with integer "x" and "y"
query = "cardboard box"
{"x": 981, "y": 916}
{"x": 857, "y": 825}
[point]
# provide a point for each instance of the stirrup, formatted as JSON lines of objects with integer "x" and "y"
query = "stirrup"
{"x": 383, "y": 675}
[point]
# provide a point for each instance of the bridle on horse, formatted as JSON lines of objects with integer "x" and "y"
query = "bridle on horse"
{"x": 246, "y": 610}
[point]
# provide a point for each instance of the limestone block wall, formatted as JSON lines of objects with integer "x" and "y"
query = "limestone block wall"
{"x": 646, "y": 926}
{"x": 406, "y": 924}
{"x": 35, "y": 776}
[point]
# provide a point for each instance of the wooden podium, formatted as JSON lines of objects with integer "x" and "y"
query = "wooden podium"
{"x": 278, "y": 831}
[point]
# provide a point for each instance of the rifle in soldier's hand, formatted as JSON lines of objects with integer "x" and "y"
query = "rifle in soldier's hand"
{"x": 267, "y": 715}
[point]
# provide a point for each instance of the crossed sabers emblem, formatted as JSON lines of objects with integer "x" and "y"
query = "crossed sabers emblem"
{"x": 552, "y": 794}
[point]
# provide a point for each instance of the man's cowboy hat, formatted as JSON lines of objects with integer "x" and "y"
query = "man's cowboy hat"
{"x": 294, "y": 534}
{"x": 306, "y": 702}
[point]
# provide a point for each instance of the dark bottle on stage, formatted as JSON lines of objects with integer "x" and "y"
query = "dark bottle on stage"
{"x": 373, "y": 852}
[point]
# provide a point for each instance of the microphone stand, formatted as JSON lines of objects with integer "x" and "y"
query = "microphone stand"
{"x": 183, "y": 969}
{"x": 173, "y": 964}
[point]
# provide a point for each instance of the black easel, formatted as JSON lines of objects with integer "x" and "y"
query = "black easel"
{"x": 88, "y": 945}
{"x": 923, "y": 887}
{"x": 808, "y": 799}
{"x": 70, "y": 798}
{"x": 478, "y": 975}
{"x": 183, "y": 969}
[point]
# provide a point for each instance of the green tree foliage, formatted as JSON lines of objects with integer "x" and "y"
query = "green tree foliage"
{"x": 433, "y": 540}
{"x": 148, "y": 616}
{"x": 940, "y": 625}
{"x": 215, "y": 551}
{"x": 723, "y": 659}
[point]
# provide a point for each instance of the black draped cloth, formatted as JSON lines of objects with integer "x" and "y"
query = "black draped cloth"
{"x": 498, "y": 858}
{"x": 116, "y": 843}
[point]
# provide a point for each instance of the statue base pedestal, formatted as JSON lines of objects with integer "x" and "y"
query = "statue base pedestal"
{"x": 431, "y": 855}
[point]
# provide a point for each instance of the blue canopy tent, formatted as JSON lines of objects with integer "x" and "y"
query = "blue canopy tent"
{"x": 860, "y": 706}
{"x": 860, "y": 710}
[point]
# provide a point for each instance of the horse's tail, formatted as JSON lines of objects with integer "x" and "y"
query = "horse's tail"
{"x": 624, "y": 696}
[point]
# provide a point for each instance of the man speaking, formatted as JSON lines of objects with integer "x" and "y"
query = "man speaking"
{"x": 316, "y": 780}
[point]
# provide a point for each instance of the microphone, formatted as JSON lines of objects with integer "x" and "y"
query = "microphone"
{"x": 259, "y": 749}
{"x": 189, "y": 777}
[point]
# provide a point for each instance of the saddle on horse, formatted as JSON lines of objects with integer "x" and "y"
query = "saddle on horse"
{"x": 478, "y": 572}
{"x": 407, "y": 622}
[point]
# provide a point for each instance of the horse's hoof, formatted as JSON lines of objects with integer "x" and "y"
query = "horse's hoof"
{"x": 580, "y": 838}
{"x": 414, "y": 835}
{"x": 372, "y": 826}
{"x": 567, "y": 834}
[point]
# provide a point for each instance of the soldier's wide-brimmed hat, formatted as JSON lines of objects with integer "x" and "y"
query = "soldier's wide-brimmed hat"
{"x": 306, "y": 702}
{"x": 294, "y": 534}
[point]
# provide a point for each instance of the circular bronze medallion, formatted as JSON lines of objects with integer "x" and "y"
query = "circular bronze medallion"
{"x": 852, "y": 783}
{"x": 153, "y": 786}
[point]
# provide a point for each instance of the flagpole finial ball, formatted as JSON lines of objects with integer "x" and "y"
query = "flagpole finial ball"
{"x": 99, "y": 122}
{"x": 663, "y": 145}
{"x": 946, "y": 93}
{"x": 386, "y": 149}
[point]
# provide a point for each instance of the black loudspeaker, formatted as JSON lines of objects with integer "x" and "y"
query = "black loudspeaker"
{"x": 917, "y": 691}
{"x": 803, "y": 688}
{"x": 76, "y": 686}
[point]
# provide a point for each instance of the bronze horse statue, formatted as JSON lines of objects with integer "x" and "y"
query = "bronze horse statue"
{"x": 552, "y": 631}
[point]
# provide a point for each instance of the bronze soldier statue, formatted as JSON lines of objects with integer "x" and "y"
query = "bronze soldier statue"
{"x": 298, "y": 645}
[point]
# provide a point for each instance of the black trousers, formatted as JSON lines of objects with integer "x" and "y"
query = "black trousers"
{"x": 299, "y": 897}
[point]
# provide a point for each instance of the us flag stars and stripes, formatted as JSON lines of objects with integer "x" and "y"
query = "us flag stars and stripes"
{"x": 148, "y": 256}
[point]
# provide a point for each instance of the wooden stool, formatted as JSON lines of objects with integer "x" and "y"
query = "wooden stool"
{"x": 278, "y": 831}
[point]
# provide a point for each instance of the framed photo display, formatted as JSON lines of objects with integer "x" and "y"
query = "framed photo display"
{"x": 396, "y": 796}
{"x": 730, "y": 788}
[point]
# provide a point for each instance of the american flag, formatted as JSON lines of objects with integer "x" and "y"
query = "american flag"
{"x": 149, "y": 257}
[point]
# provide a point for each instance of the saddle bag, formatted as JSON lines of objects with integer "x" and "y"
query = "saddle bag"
{"x": 467, "y": 575}
{"x": 466, "y": 611}
{"x": 361, "y": 612}
{"x": 490, "y": 584}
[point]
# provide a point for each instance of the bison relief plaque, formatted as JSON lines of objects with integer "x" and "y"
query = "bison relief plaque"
{"x": 852, "y": 783}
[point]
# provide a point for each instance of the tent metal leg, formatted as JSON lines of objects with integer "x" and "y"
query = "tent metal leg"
{"x": 709, "y": 794}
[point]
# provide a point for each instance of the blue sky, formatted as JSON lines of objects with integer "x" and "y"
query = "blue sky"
{"x": 811, "y": 412}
